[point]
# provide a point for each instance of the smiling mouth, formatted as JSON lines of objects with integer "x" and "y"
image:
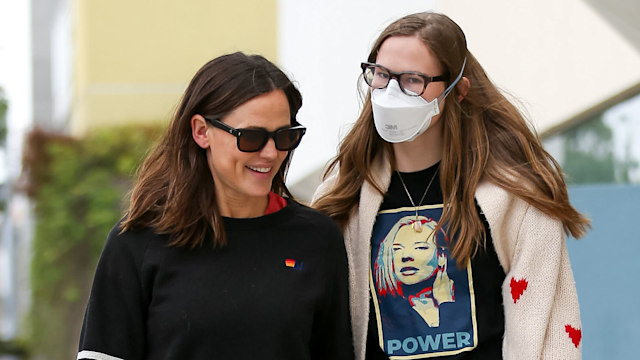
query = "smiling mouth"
{"x": 260, "y": 170}
{"x": 408, "y": 270}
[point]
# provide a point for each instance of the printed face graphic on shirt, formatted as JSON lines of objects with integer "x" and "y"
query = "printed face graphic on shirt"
{"x": 408, "y": 257}
{"x": 414, "y": 254}
{"x": 424, "y": 304}
{"x": 415, "y": 259}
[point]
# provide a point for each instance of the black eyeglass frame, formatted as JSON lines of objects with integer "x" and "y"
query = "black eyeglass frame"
{"x": 268, "y": 134}
{"x": 396, "y": 75}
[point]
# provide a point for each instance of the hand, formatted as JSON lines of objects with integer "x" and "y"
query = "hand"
{"x": 442, "y": 286}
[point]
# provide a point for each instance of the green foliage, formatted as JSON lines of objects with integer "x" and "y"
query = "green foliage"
{"x": 12, "y": 348}
{"x": 589, "y": 156}
{"x": 77, "y": 186}
{"x": 589, "y": 153}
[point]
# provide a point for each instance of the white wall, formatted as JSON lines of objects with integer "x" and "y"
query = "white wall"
{"x": 15, "y": 79}
{"x": 15, "y": 76}
{"x": 61, "y": 64}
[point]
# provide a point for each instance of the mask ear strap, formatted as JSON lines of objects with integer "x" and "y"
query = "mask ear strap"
{"x": 450, "y": 88}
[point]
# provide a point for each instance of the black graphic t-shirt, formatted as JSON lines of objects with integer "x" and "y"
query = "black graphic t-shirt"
{"x": 422, "y": 305}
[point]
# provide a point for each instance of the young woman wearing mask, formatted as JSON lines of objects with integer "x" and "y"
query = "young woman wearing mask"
{"x": 437, "y": 141}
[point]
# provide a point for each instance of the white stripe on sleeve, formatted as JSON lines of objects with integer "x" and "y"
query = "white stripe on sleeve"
{"x": 94, "y": 355}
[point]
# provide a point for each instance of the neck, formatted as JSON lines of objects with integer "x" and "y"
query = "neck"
{"x": 243, "y": 208}
{"x": 421, "y": 153}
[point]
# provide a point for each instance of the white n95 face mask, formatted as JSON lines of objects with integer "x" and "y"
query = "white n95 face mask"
{"x": 399, "y": 117}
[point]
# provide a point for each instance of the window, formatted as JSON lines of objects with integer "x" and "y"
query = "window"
{"x": 603, "y": 148}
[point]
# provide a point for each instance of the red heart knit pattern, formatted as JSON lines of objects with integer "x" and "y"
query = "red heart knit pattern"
{"x": 517, "y": 288}
{"x": 574, "y": 334}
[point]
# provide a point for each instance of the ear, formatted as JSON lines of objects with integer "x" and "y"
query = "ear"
{"x": 463, "y": 88}
{"x": 200, "y": 131}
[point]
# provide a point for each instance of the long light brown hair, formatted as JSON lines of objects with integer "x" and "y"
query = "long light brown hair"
{"x": 485, "y": 138}
{"x": 174, "y": 192}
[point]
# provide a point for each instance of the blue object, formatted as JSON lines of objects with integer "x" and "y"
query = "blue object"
{"x": 606, "y": 268}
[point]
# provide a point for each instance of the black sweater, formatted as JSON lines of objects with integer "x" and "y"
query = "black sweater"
{"x": 278, "y": 290}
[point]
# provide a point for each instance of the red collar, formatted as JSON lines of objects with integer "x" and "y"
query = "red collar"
{"x": 276, "y": 202}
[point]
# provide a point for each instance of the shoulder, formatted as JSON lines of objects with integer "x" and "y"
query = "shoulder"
{"x": 132, "y": 243}
{"x": 315, "y": 229}
{"x": 320, "y": 236}
{"x": 325, "y": 186}
{"x": 514, "y": 223}
{"x": 314, "y": 219}
{"x": 500, "y": 205}
{"x": 490, "y": 195}
{"x": 380, "y": 172}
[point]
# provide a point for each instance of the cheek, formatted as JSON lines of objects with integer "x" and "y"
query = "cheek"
{"x": 221, "y": 145}
{"x": 397, "y": 257}
{"x": 432, "y": 260}
{"x": 282, "y": 157}
{"x": 421, "y": 257}
{"x": 210, "y": 151}
{"x": 216, "y": 164}
{"x": 433, "y": 92}
{"x": 223, "y": 158}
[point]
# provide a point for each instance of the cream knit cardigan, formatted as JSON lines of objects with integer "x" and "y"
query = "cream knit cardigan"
{"x": 542, "y": 317}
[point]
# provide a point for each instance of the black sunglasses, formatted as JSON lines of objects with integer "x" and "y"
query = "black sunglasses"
{"x": 252, "y": 140}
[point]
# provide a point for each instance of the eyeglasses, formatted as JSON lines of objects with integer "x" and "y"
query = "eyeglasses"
{"x": 252, "y": 140}
{"x": 411, "y": 83}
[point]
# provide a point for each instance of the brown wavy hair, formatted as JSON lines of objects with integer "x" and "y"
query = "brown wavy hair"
{"x": 485, "y": 137}
{"x": 174, "y": 192}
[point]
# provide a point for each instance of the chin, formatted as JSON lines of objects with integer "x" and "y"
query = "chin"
{"x": 259, "y": 192}
{"x": 257, "y": 188}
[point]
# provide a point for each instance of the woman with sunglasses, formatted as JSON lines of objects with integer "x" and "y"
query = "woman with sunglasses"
{"x": 213, "y": 258}
{"x": 436, "y": 140}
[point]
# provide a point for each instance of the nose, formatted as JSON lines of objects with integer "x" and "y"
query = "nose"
{"x": 269, "y": 150}
{"x": 406, "y": 257}
{"x": 394, "y": 78}
{"x": 394, "y": 83}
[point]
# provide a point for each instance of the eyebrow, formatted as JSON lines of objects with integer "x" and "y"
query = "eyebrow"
{"x": 415, "y": 242}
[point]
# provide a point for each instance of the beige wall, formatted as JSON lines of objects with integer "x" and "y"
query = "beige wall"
{"x": 133, "y": 58}
{"x": 559, "y": 58}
